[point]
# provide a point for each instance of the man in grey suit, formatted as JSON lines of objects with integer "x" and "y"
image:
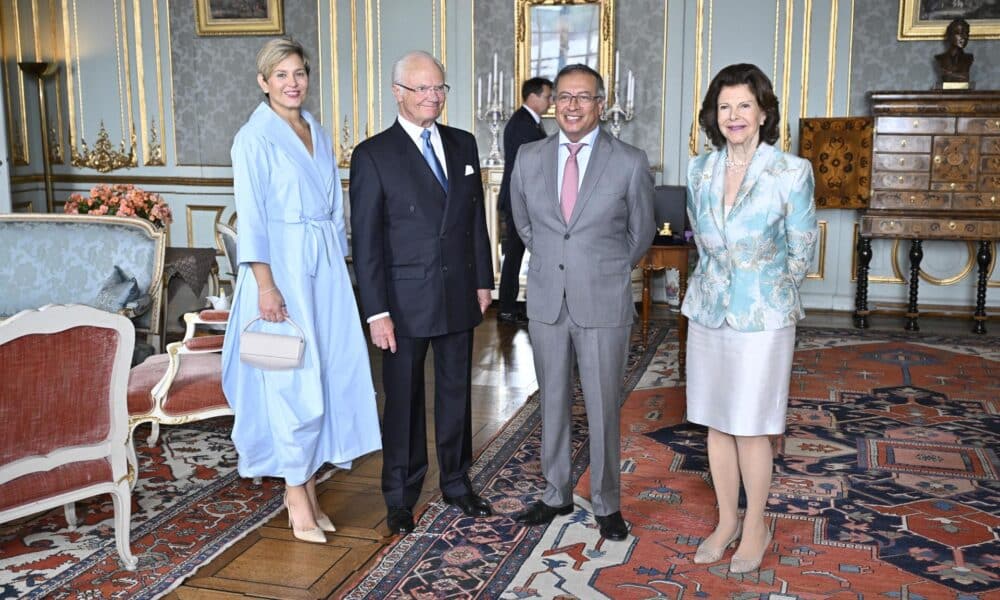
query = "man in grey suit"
{"x": 583, "y": 204}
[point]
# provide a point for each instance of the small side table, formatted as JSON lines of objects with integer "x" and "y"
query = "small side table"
{"x": 659, "y": 258}
{"x": 197, "y": 270}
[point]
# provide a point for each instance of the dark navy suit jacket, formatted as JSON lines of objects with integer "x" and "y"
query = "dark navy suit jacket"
{"x": 520, "y": 129}
{"x": 418, "y": 253}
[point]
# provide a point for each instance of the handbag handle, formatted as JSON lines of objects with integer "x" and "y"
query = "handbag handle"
{"x": 287, "y": 320}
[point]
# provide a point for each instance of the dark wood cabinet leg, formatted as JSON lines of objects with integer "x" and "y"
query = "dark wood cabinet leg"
{"x": 983, "y": 259}
{"x": 916, "y": 255}
{"x": 861, "y": 292}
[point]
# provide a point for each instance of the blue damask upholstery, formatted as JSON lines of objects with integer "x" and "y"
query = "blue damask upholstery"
{"x": 67, "y": 259}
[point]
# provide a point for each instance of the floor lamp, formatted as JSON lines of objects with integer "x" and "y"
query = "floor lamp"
{"x": 41, "y": 70}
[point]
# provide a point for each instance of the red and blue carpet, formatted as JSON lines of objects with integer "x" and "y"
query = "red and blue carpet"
{"x": 188, "y": 506}
{"x": 886, "y": 486}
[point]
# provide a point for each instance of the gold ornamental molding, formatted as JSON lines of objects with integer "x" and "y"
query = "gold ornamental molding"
{"x": 354, "y": 67}
{"x": 154, "y": 153}
{"x": 346, "y": 147}
{"x": 139, "y": 180}
{"x": 190, "y": 210}
{"x": 831, "y": 67}
{"x": 820, "y": 272}
{"x": 698, "y": 33}
{"x": 369, "y": 64}
{"x": 104, "y": 158}
{"x": 806, "y": 41}
{"x": 786, "y": 76}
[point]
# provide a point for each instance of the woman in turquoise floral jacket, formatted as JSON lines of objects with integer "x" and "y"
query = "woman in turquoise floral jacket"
{"x": 752, "y": 212}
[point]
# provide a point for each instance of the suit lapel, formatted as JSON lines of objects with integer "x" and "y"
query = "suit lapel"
{"x": 325, "y": 167}
{"x": 420, "y": 175}
{"x": 758, "y": 164}
{"x": 713, "y": 194}
{"x": 288, "y": 142}
{"x": 600, "y": 155}
{"x": 456, "y": 172}
{"x": 550, "y": 171}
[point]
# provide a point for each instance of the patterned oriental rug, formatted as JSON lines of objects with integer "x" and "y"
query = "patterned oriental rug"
{"x": 187, "y": 507}
{"x": 887, "y": 485}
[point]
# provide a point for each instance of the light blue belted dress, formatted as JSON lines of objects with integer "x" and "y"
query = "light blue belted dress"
{"x": 291, "y": 216}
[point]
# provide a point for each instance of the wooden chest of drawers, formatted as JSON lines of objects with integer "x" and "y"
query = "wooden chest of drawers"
{"x": 935, "y": 175}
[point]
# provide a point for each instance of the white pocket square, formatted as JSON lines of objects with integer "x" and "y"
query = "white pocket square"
{"x": 469, "y": 170}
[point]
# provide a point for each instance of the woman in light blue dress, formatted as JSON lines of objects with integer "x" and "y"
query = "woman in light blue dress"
{"x": 291, "y": 247}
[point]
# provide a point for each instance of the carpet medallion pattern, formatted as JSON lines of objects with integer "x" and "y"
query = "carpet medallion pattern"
{"x": 885, "y": 486}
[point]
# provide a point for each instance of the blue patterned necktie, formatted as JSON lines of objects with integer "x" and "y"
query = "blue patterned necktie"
{"x": 432, "y": 160}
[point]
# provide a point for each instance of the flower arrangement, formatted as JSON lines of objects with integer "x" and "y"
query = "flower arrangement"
{"x": 124, "y": 200}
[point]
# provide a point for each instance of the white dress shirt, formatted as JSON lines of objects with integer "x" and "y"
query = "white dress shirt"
{"x": 534, "y": 115}
{"x": 415, "y": 131}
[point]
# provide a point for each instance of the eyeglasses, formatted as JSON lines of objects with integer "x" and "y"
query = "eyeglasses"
{"x": 581, "y": 99}
{"x": 441, "y": 90}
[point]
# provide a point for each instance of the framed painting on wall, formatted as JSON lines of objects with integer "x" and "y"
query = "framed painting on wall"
{"x": 550, "y": 34}
{"x": 239, "y": 17}
{"x": 927, "y": 19}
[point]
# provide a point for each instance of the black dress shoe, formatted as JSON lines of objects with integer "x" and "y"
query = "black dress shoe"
{"x": 400, "y": 521}
{"x": 541, "y": 513}
{"x": 613, "y": 527}
{"x": 514, "y": 318}
{"x": 471, "y": 504}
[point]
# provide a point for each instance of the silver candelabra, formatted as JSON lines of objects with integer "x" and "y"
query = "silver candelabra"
{"x": 494, "y": 111}
{"x": 617, "y": 114}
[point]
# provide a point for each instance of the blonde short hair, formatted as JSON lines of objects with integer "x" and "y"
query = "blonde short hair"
{"x": 277, "y": 50}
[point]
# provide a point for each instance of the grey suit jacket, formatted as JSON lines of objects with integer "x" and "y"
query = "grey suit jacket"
{"x": 589, "y": 259}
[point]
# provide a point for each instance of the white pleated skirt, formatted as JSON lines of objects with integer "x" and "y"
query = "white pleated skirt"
{"x": 737, "y": 381}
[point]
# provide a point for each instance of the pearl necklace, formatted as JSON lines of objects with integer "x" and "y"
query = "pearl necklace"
{"x": 736, "y": 164}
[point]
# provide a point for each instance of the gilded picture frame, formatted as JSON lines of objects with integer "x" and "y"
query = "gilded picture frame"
{"x": 228, "y": 17}
{"x": 588, "y": 25}
{"x": 927, "y": 19}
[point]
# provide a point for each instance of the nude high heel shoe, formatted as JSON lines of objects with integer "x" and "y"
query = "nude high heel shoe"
{"x": 746, "y": 565}
{"x": 315, "y": 535}
{"x": 705, "y": 555}
{"x": 325, "y": 523}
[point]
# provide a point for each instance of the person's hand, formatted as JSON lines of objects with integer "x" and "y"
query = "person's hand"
{"x": 383, "y": 334}
{"x": 271, "y": 305}
{"x": 485, "y": 298}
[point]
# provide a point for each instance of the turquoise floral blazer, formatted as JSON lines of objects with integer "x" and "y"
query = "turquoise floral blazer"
{"x": 751, "y": 261}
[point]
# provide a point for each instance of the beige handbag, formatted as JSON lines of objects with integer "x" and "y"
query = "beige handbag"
{"x": 272, "y": 351}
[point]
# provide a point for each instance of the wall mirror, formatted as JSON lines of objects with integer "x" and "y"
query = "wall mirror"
{"x": 551, "y": 34}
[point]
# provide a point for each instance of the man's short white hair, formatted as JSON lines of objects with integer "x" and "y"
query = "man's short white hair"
{"x": 399, "y": 68}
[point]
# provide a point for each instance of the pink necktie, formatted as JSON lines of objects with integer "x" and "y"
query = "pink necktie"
{"x": 571, "y": 181}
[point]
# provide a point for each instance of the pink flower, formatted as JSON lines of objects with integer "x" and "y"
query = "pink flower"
{"x": 122, "y": 199}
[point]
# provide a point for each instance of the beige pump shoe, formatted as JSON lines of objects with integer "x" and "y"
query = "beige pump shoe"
{"x": 315, "y": 535}
{"x": 325, "y": 523}
{"x": 705, "y": 555}
{"x": 745, "y": 565}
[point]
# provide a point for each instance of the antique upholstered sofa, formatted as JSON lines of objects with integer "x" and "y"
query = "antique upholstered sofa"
{"x": 63, "y": 416}
{"x": 80, "y": 259}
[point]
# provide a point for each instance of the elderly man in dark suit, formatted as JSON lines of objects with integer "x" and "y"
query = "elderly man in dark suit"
{"x": 422, "y": 260}
{"x": 524, "y": 126}
{"x": 583, "y": 204}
